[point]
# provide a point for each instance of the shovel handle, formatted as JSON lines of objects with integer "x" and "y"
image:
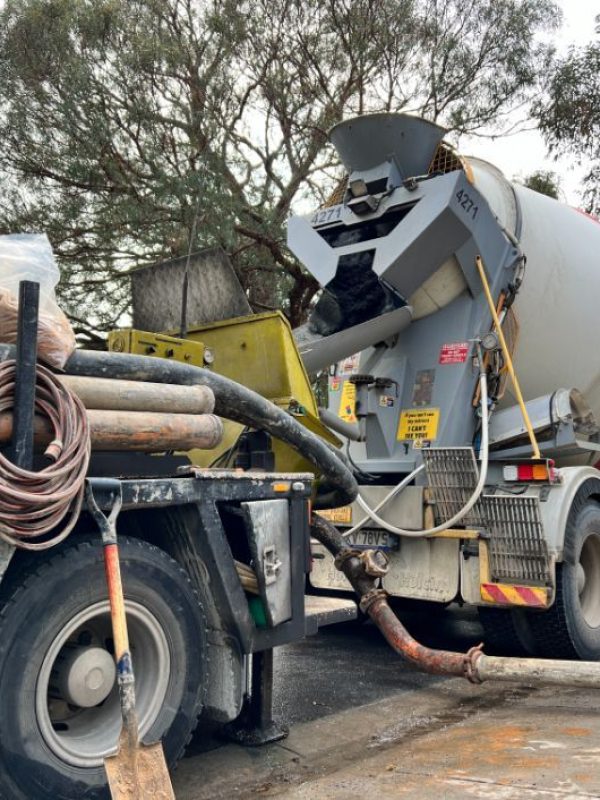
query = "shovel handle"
{"x": 108, "y": 529}
{"x": 117, "y": 606}
{"x": 125, "y": 676}
{"x": 112, "y": 568}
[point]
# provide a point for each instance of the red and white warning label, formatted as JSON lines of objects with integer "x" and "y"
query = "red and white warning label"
{"x": 454, "y": 353}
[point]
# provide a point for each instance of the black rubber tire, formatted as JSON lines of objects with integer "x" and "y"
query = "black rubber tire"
{"x": 562, "y": 631}
{"x": 39, "y": 604}
{"x": 506, "y": 632}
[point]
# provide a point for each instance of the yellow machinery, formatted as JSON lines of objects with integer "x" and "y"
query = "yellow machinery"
{"x": 258, "y": 351}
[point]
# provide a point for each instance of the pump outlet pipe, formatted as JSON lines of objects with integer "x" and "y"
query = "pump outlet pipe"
{"x": 473, "y": 665}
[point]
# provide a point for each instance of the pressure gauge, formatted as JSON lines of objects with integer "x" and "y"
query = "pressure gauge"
{"x": 490, "y": 341}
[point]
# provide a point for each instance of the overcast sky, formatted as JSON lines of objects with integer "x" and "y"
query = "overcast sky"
{"x": 523, "y": 153}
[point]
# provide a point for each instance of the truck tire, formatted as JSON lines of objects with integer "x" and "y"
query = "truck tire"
{"x": 54, "y": 636}
{"x": 571, "y": 627}
{"x": 506, "y": 632}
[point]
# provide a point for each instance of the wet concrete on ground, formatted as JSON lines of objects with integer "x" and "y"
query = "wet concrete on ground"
{"x": 365, "y": 725}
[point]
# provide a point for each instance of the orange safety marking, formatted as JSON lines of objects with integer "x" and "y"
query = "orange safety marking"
{"x": 508, "y": 595}
{"x": 341, "y": 515}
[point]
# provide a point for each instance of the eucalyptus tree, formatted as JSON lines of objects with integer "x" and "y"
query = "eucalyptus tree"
{"x": 128, "y": 126}
{"x": 570, "y": 115}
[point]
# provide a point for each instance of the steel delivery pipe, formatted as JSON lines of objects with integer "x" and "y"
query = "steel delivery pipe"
{"x": 474, "y": 664}
{"x": 545, "y": 672}
{"x": 119, "y": 395}
{"x": 134, "y": 430}
{"x": 232, "y": 401}
{"x": 436, "y": 662}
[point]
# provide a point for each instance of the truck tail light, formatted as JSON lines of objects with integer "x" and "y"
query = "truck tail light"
{"x": 530, "y": 472}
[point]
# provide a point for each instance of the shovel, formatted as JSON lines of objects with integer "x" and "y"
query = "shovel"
{"x": 137, "y": 771}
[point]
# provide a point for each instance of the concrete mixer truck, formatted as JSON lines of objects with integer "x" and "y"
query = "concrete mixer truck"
{"x": 441, "y": 281}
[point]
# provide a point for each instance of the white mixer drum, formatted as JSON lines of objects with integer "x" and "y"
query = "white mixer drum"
{"x": 557, "y": 304}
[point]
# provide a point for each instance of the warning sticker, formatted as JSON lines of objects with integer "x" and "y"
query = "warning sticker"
{"x": 418, "y": 424}
{"x": 421, "y": 444}
{"x": 349, "y": 366}
{"x": 347, "y": 410}
{"x": 454, "y": 353}
{"x": 341, "y": 516}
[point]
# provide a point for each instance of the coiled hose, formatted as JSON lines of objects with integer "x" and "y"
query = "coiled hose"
{"x": 34, "y": 504}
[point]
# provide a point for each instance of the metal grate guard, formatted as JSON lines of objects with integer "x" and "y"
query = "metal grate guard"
{"x": 517, "y": 548}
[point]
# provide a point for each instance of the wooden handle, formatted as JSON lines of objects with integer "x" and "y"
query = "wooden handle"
{"x": 117, "y": 604}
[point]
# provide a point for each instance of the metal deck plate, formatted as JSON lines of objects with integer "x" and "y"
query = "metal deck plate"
{"x": 321, "y": 611}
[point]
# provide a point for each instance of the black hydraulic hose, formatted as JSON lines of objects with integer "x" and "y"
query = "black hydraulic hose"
{"x": 328, "y": 535}
{"x": 232, "y": 401}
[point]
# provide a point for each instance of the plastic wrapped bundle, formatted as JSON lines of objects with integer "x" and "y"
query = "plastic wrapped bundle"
{"x": 29, "y": 257}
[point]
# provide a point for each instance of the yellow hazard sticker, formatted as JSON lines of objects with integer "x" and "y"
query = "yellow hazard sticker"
{"x": 418, "y": 424}
{"x": 339, "y": 516}
{"x": 348, "y": 402}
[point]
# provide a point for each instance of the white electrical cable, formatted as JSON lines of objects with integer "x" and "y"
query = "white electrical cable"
{"x": 372, "y": 513}
{"x": 390, "y": 496}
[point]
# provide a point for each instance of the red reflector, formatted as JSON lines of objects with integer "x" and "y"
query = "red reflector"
{"x": 525, "y": 472}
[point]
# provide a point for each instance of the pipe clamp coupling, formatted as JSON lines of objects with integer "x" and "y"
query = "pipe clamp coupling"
{"x": 375, "y": 562}
{"x": 470, "y": 664}
{"x": 367, "y": 600}
{"x": 344, "y": 556}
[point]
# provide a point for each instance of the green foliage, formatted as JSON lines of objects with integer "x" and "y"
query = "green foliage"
{"x": 544, "y": 182}
{"x": 570, "y": 116}
{"x": 124, "y": 120}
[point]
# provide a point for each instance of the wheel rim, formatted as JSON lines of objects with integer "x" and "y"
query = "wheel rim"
{"x": 84, "y": 736}
{"x": 588, "y": 580}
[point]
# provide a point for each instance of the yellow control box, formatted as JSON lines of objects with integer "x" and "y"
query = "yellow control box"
{"x": 143, "y": 343}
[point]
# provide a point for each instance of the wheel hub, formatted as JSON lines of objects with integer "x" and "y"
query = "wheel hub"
{"x": 77, "y": 701}
{"x": 85, "y": 676}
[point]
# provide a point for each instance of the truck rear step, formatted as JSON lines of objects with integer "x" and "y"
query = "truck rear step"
{"x": 321, "y": 611}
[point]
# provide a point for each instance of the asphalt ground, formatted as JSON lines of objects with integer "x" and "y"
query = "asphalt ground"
{"x": 327, "y": 688}
{"x": 364, "y": 725}
{"x": 348, "y": 665}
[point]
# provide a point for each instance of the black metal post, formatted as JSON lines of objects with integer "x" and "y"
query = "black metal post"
{"x": 23, "y": 412}
{"x": 255, "y": 725}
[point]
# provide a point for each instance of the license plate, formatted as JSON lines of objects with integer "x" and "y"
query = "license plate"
{"x": 383, "y": 540}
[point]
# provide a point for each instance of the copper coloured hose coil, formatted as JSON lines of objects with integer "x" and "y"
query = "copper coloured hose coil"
{"x": 34, "y": 504}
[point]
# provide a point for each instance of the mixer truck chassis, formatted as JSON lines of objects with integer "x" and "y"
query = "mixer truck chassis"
{"x": 442, "y": 281}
